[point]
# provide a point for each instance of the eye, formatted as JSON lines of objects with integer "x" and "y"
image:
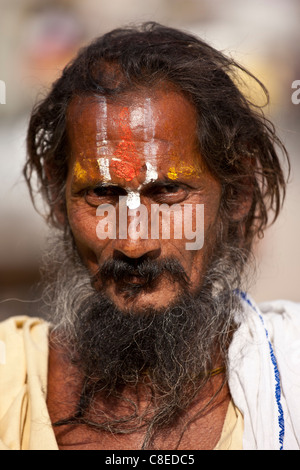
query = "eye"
{"x": 170, "y": 188}
{"x": 170, "y": 193}
{"x": 103, "y": 195}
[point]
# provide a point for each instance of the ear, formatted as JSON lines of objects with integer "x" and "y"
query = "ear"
{"x": 243, "y": 186}
{"x": 60, "y": 215}
{"x": 241, "y": 200}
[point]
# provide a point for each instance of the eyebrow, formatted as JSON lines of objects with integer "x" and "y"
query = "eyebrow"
{"x": 165, "y": 180}
{"x": 161, "y": 182}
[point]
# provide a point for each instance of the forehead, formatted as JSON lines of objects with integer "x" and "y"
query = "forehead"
{"x": 162, "y": 115}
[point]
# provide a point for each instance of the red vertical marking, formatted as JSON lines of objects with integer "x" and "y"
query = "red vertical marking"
{"x": 128, "y": 164}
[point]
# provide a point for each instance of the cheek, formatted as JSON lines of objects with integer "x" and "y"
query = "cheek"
{"x": 206, "y": 229}
{"x": 83, "y": 225}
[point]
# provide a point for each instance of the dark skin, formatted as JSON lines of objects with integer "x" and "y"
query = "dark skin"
{"x": 167, "y": 141}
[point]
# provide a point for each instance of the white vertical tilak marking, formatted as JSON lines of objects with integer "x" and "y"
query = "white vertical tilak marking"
{"x": 150, "y": 148}
{"x": 101, "y": 122}
{"x": 103, "y": 164}
{"x": 101, "y": 141}
{"x": 133, "y": 199}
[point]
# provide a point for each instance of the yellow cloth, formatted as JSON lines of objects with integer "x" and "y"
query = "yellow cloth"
{"x": 24, "y": 418}
{"x": 233, "y": 429}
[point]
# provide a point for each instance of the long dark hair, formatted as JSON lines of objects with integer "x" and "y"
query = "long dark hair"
{"x": 237, "y": 142}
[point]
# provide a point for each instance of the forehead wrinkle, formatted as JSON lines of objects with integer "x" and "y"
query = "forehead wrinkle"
{"x": 80, "y": 108}
{"x": 80, "y": 104}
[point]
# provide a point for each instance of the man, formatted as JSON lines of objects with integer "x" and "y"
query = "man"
{"x": 143, "y": 144}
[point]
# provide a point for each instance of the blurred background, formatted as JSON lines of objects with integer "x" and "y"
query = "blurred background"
{"x": 38, "y": 37}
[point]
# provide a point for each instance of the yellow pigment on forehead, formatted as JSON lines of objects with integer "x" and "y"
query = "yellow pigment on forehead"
{"x": 79, "y": 172}
{"x": 182, "y": 170}
{"x": 87, "y": 169}
{"x": 172, "y": 174}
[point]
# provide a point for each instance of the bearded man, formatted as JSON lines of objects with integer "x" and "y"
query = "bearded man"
{"x": 152, "y": 342}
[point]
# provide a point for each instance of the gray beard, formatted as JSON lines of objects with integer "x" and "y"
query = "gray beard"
{"x": 175, "y": 348}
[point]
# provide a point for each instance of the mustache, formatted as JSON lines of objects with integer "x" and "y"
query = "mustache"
{"x": 121, "y": 271}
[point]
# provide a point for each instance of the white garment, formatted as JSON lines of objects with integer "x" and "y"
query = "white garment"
{"x": 264, "y": 374}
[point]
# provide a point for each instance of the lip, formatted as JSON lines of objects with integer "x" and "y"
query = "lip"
{"x": 132, "y": 285}
{"x": 135, "y": 279}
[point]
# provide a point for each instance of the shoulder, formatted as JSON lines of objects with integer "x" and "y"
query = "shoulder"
{"x": 282, "y": 318}
{"x": 269, "y": 326}
{"x": 23, "y": 346}
{"x": 264, "y": 373}
{"x": 20, "y": 338}
{"x": 23, "y": 374}
{"x": 20, "y": 329}
{"x": 17, "y": 324}
{"x": 285, "y": 309}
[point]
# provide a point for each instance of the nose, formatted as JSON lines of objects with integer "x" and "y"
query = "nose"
{"x": 134, "y": 233}
{"x": 135, "y": 249}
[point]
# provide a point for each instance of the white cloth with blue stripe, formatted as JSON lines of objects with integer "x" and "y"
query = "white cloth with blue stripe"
{"x": 264, "y": 374}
